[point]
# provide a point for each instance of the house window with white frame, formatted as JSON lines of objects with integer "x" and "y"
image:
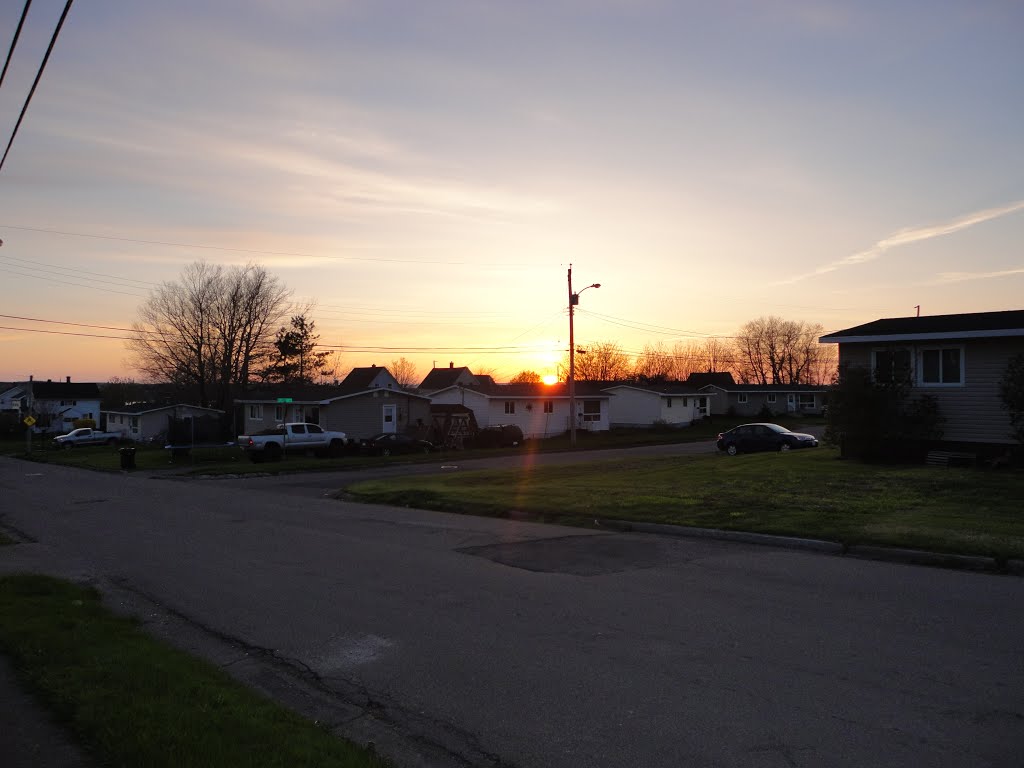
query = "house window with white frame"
{"x": 668, "y": 404}
{"x": 278, "y": 413}
{"x": 741, "y": 398}
{"x": 591, "y": 410}
{"x": 890, "y": 365}
{"x": 256, "y": 412}
{"x": 549, "y": 406}
{"x": 806, "y": 402}
{"x": 770, "y": 397}
{"x": 941, "y": 366}
{"x": 510, "y": 407}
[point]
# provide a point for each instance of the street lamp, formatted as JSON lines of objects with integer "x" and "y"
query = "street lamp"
{"x": 574, "y": 299}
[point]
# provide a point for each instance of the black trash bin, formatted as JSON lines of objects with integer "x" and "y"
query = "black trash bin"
{"x": 127, "y": 458}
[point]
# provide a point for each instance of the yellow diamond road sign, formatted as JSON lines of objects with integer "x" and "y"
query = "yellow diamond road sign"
{"x": 29, "y": 421}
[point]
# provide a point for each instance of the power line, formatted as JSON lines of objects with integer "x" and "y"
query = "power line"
{"x": 39, "y": 75}
{"x": 31, "y": 265}
{"x": 14, "y": 42}
{"x": 66, "y": 282}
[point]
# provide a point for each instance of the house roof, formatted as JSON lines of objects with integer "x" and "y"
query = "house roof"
{"x": 359, "y": 379}
{"x": 961, "y": 326}
{"x": 442, "y": 378}
{"x": 771, "y": 387}
{"x": 139, "y": 408}
{"x": 537, "y": 391}
{"x": 299, "y": 393}
{"x": 63, "y": 390}
{"x": 721, "y": 379}
{"x": 664, "y": 389}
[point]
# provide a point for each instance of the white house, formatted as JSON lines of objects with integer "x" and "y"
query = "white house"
{"x": 673, "y": 404}
{"x": 55, "y": 405}
{"x": 144, "y": 421}
{"x": 540, "y": 410}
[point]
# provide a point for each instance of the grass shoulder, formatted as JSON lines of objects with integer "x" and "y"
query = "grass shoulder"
{"x": 808, "y": 493}
{"x": 132, "y": 700}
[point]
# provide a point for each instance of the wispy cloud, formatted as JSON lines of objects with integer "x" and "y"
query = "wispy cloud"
{"x": 963, "y": 277}
{"x": 908, "y": 236}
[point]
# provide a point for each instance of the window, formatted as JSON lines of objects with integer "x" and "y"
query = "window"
{"x": 942, "y": 366}
{"x": 549, "y": 406}
{"x": 770, "y": 398}
{"x": 298, "y": 429}
{"x": 591, "y": 410}
{"x": 669, "y": 403}
{"x": 806, "y": 402}
{"x": 891, "y": 365}
{"x": 256, "y": 412}
{"x": 741, "y": 398}
{"x": 313, "y": 429}
{"x": 278, "y": 413}
{"x": 510, "y": 406}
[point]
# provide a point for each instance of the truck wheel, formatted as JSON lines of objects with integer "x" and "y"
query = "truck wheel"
{"x": 68, "y": 446}
{"x": 256, "y": 458}
{"x": 273, "y": 451}
{"x": 335, "y": 448}
{"x": 385, "y": 451}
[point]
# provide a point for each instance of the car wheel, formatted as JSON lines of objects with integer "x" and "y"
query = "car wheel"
{"x": 426, "y": 449}
{"x": 784, "y": 446}
{"x": 731, "y": 449}
{"x": 385, "y": 451}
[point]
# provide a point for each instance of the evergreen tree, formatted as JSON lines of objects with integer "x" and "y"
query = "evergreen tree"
{"x": 295, "y": 359}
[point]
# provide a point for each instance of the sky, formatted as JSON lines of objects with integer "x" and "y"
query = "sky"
{"x": 426, "y": 173}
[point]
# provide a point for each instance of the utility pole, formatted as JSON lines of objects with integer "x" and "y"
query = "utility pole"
{"x": 574, "y": 299}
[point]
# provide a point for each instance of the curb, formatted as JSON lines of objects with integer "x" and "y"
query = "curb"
{"x": 788, "y": 542}
{"x": 861, "y": 551}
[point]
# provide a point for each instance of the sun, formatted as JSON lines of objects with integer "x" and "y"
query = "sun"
{"x": 549, "y": 379}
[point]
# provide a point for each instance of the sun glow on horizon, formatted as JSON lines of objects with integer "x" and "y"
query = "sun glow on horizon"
{"x": 549, "y": 379}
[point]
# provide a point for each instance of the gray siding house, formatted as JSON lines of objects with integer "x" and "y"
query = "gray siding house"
{"x": 369, "y": 401}
{"x": 958, "y": 359}
{"x": 752, "y": 399}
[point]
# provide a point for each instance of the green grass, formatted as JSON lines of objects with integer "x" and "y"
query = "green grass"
{"x": 6, "y": 540}
{"x": 232, "y": 460}
{"x": 808, "y": 493}
{"x": 132, "y": 700}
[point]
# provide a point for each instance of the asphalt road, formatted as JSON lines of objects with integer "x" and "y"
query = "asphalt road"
{"x": 454, "y": 640}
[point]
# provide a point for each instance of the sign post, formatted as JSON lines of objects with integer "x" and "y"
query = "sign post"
{"x": 29, "y": 421}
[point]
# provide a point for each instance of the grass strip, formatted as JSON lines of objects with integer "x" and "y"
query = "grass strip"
{"x": 809, "y": 493}
{"x": 132, "y": 700}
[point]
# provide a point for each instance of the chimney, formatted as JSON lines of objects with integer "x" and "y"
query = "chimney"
{"x": 30, "y": 377}
{"x": 451, "y": 364}
{"x": 69, "y": 379}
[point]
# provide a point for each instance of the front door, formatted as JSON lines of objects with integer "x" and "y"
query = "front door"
{"x": 389, "y": 418}
{"x": 791, "y": 403}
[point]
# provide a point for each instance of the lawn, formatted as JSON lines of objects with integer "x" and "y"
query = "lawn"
{"x": 132, "y": 700}
{"x": 808, "y": 493}
{"x": 229, "y": 459}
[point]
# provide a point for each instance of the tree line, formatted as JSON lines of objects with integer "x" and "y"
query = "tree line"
{"x": 218, "y": 330}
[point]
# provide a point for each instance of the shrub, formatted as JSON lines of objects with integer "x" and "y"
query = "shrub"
{"x": 766, "y": 413}
{"x": 880, "y": 422}
{"x": 1011, "y": 392}
{"x": 80, "y": 423}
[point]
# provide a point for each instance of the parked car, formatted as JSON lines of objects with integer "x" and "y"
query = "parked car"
{"x": 748, "y": 438}
{"x": 271, "y": 444}
{"x": 85, "y": 436}
{"x": 499, "y": 436}
{"x": 388, "y": 443}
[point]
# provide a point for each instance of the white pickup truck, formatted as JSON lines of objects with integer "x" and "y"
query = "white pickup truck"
{"x": 271, "y": 444}
{"x": 85, "y": 436}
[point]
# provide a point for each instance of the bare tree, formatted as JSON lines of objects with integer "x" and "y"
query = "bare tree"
{"x": 771, "y": 350}
{"x": 405, "y": 373}
{"x": 603, "y": 361}
{"x": 526, "y": 377}
{"x": 209, "y": 329}
{"x": 655, "y": 363}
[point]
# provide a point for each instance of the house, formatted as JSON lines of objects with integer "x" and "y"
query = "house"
{"x": 753, "y": 399}
{"x": 442, "y": 378}
{"x": 958, "y": 359}
{"x": 672, "y": 403}
{"x": 145, "y": 421}
{"x": 367, "y": 402}
{"x": 55, "y": 405}
{"x": 540, "y": 410}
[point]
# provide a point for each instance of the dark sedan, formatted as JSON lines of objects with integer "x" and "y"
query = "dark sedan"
{"x": 748, "y": 438}
{"x": 388, "y": 443}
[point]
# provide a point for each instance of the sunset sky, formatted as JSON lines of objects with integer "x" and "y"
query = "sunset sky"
{"x": 426, "y": 172}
